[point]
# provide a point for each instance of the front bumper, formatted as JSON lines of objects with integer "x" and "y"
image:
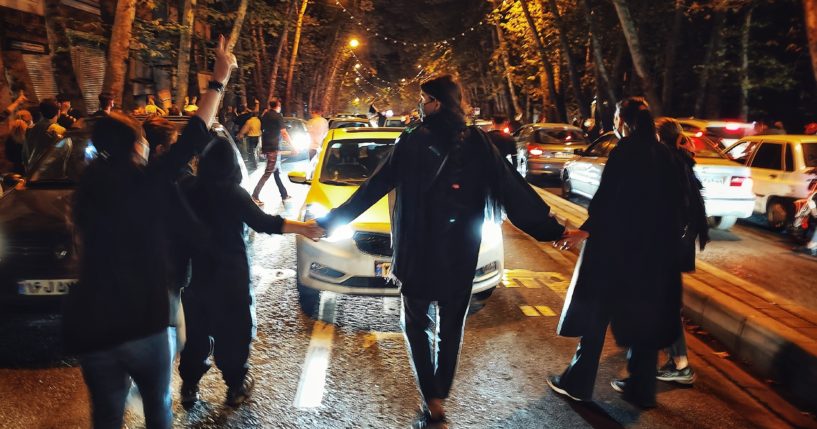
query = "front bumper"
{"x": 732, "y": 207}
{"x": 341, "y": 267}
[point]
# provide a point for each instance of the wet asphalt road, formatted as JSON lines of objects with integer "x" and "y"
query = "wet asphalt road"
{"x": 506, "y": 358}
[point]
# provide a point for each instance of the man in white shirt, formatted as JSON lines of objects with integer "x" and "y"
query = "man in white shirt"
{"x": 317, "y": 127}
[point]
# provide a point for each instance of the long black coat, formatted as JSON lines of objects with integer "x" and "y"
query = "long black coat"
{"x": 440, "y": 204}
{"x": 629, "y": 269}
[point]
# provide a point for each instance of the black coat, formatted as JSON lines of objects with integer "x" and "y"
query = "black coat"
{"x": 444, "y": 176}
{"x": 629, "y": 268}
{"x": 221, "y": 271}
{"x": 123, "y": 217}
{"x": 693, "y": 212}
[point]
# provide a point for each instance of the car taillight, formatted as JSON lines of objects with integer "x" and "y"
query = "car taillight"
{"x": 738, "y": 181}
{"x": 535, "y": 151}
{"x": 699, "y": 134}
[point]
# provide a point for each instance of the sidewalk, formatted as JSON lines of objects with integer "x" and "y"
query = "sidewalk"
{"x": 776, "y": 338}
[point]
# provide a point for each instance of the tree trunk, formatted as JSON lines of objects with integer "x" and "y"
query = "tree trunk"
{"x": 709, "y": 58}
{"x": 294, "y": 56}
{"x": 119, "y": 49}
{"x": 259, "y": 66}
{"x": 60, "y": 48}
{"x": 548, "y": 68}
{"x": 185, "y": 42}
{"x": 264, "y": 70}
{"x": 281, "y": 43}
{"x": 745, "y": 84}
{"x": 572, "y": 67}
{"x": 503, "y": 51}
{"x": 5, "y": 88}
{"x": 810, "y": 13}
{"x": 598, "y": 57}
{"x": 239, "y": 21}
{"x": 669, "y": 58}
{"x": 637, "y": 55}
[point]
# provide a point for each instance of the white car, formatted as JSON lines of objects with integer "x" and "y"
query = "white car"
{"x": 356, "y": 259}
{"x": 725, "y": 133}
{"x": 727, "y": 185}
{"x": 783, "y": 167}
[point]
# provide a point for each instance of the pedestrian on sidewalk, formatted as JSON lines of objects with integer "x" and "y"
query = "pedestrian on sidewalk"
{"x": 318, "y": 127}
{"x": 116, "y": 318}
{"x": 629, "y": 274}
{"x": 501, "y": 138}
{"x": 696, "y": 227}
{"x": 446, "y": 177}
{"x": 273, "y": 129}
{"x": 250, "y": 136}
{"x": 219, "y": 303}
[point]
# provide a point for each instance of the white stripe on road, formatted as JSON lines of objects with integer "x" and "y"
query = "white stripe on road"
{"x": 312, "y": 384}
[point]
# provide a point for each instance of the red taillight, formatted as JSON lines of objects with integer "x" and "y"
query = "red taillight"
{"x": 506, "y": 130}
{"x": 737, "y": 181}
{"x": 535, "y": 151}
{"x": 699, "y": 134}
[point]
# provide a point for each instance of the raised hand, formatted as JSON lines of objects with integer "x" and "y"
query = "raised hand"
{"x": 225, "y": 61}
{"x": 571, "y": 238}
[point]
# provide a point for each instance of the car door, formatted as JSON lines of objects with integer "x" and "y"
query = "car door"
{"x": 767, "y": 172}
{"x": 585, "y": 173}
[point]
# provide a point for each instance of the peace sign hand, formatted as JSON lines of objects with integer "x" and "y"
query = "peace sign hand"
{"x": 225, "y": 61}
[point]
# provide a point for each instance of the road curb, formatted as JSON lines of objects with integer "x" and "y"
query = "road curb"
{"x": 751, "y": 326}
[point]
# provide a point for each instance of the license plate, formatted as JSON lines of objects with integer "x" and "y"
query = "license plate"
{"x": 563, "y": 154}
{"x": 713, "y": 180}
{"x": 45, "y": 287}
{"x": 382, "y": 269}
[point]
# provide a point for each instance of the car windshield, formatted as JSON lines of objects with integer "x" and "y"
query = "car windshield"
{"x": 350, "y": 124}
{"x": 63, "y": 163}
{"x": 704, "y": 147}
{"x": 351, "y": 162}
{"x": 295, "y": 125}
{"x": 810, "y": 154}
{"x": 560, "y": 136}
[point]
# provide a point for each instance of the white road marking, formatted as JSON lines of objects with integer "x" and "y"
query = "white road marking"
{"x": 312, "y": 383}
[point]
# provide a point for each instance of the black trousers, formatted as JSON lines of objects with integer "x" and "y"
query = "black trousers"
{"x": 434, "y": 350}
{"x": 250, "y": 150}
{"x": 580, "y": 376}
{"x": 216, "y": 327}
{"x": 271, "y": 170}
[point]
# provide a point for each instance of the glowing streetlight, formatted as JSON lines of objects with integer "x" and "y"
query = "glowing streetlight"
{"x": 357, "y": 66}
{"x": 354, "y": 43}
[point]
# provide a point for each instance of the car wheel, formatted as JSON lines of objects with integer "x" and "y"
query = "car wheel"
{"x": 779, "y": 214}
{"x": 567, "y": 186}
{"x": 482, "y": 296}
{"x": 722, "y": 223}
{"x": 309, "y": 299}
{"x": 478, "y": 300}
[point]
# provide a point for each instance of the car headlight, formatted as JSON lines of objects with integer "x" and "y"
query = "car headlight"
{"x": 340, "y": 233}
{"x": 491, "y": 232}
{"x": 315, "y": 211}
{"x": 301, "y": 141}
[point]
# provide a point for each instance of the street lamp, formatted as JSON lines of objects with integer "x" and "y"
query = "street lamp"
{"x": 357, "y": 66}
{"x": 354, "y": 43}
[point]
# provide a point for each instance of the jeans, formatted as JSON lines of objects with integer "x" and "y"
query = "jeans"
{"x": 250, "y": 147}
{"x": 108, "y": 376}
{"x": 271, "y": 169}
{"x": 580, "y": 376}
{"x": 434, "y": 351}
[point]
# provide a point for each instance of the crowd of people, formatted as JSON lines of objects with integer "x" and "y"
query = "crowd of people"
{"x": 164, "y": 268}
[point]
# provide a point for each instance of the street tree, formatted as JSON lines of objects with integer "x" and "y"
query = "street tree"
{"x": 294, "y": 56}
{"x": 640, "y": 62}
{"x": 60, "y": 47}
{"x": 188, "y": 14}
{"x": 119, "y": 50}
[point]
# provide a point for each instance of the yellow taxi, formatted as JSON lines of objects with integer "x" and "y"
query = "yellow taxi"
{"x": 356, "y": 258}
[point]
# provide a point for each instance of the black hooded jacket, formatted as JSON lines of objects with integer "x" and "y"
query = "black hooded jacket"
{"x": 445, "y": 175}
{"x": 123, "y": 215}
{"x": 226, "y": 209}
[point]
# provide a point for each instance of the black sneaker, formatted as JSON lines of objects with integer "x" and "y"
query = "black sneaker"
{"x": 806, "y": 250}
{"x": 236, "y": 397}
{"x": 681, "y": 376}
{"x": 425, "y": 421}
{"x": 189, "y": 396}
{"x": 667, "y": 366}
{"x": 619, "y": 385}
{"x": 553, "y": 382}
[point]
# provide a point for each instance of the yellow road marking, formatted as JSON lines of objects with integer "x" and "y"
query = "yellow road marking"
{"x": 545, "y": 310}
{"x": 529, "y": 311}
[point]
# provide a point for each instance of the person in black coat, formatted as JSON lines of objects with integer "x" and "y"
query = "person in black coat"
{"x": 696, "y": 226}
{"x": 218, "y": 303}
{"x": 629, "y": 274}
{"x": 501, "y": 138}
{"x": 444, "y": 175}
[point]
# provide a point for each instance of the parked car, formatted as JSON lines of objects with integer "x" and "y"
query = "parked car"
{"x": 356, "y": 259}
{"x": 725, "y": 133}
{"x": 727, "y": 185}
{"x": 37, "y": 254}
{"x": 349, "y": 122}
{"x": 783, "y": 167}
{"x": 544, "y": 148}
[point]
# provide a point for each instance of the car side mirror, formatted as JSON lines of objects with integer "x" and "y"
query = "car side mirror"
{"x": 298, "y": 177}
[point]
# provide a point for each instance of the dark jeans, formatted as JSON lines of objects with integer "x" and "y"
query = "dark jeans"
{"x": 679, "y": 347}
{"x": 108, "y": 376}
{"x": 580, "y": 376}
{"x": 217, "y": 328}
{"x": 434, "y": 351}
{"x": 250, "y": 149}
{"x": 272, "y": 169}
